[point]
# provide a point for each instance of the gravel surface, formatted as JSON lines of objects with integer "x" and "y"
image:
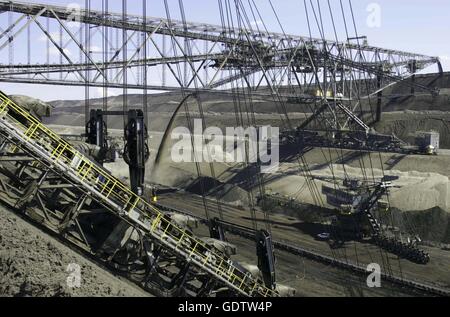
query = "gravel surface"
{"x": 35, "y": 264}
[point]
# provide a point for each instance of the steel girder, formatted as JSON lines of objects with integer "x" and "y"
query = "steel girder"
{"x": 261, "y": 52}
{"x": 208, "y": 58}
{"x": 32, "y": 188}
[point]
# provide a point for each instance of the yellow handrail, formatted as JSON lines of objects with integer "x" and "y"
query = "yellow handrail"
{"x": 115, "y": 194}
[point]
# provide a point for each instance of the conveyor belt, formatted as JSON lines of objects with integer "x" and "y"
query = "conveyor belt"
{"x": 249, "y": 233}
{"x": 28, "y": 133}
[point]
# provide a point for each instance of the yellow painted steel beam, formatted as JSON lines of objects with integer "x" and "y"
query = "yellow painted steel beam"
{"x": 41, "y": 140}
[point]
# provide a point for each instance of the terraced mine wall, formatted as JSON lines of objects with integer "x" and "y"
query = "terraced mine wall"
{"x": 403, "y": 114}
{"x": 432, "y": 225}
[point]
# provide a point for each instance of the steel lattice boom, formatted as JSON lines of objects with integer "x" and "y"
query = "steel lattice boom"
{"x": 202, "y": 57}
{"x": 221, "y": 49}
{"x": 50, "y": 150}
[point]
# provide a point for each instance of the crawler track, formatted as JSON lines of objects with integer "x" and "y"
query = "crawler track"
{"x": 249, "y": 233}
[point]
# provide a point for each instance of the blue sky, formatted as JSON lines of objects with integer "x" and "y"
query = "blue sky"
{"x": 420, "y": 26}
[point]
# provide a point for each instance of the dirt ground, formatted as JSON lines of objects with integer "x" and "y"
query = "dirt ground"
{"x": 34, "y": 264}
{"x": 311, "y": 278}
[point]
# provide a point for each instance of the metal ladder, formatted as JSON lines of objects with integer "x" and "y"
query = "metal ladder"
{"x": 353, "y": 117}
{"x": 32, "y": 136}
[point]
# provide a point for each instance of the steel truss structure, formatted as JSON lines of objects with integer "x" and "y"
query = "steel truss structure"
{"x": 50, "y": 181}
{"x": 339, "y": 84}
{"x": 333, "y": 78}
{"x": 249, "y": 233}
